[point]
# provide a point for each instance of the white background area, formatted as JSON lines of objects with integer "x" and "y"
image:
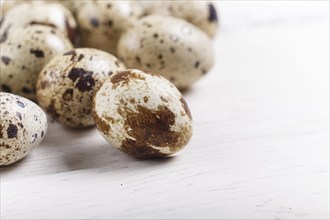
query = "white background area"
{"x": 260, "y": 148}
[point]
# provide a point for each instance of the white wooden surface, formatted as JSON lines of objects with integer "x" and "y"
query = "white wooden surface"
{"x": 260, "y": 148}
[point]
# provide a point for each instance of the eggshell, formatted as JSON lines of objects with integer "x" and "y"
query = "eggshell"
{"x": 203, "y": 14}
{"x": 23, "y": 125}
{"x": 69, "y": 4}
{"x": 67, "y": 84}
{"x": 102, "y": 22}
{"x": 6, "y": 5}
{"x": 51, "y": 14}
{"x": 24, "y": 54}
{"x": 142, "y": 114}
{"x": 169, "y": 46}
{"x": 72, "y": 5}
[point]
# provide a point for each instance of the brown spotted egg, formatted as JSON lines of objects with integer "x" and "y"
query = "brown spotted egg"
{"x": 67, "y": 84}
{"x": 169, "y": 46}
{"x": 24, "y": 54}
{"x": 51, "y": 14}
{"x": 102, "y": 22}
{"x": 23, "y": 125}
{"x": 142, "y": 114}
{"x": 203, "y": 14}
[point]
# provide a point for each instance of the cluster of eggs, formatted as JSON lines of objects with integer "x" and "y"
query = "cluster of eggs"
{"x": 117, "y": 64}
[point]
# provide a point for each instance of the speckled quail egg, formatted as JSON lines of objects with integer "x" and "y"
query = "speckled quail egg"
{"x": 142, "y": 114}
{"x": 102, "y": 22}
{"x": 169, "y": 46}
{"x": 203, "y": 14}
{"x": 67, "y": 84}
{"x": 23, "y": 125}
{"x": 37, "y": 12}
{"x": 24, "y": 53}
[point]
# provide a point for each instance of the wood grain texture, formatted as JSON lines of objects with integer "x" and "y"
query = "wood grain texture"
{"x": 260, "y": 148}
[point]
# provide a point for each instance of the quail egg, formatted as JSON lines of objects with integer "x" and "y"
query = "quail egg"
{"x": 51, "y": 14}
{"x": 23, "y": 125}
{"x": 24, "y": 53}
{"x": 67, "y": 84}
{"x": 102, "y": 22}
{"x": 142, "y": 114}
{"x": 203, "y": 14}
{"x": 169, "y": 46}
